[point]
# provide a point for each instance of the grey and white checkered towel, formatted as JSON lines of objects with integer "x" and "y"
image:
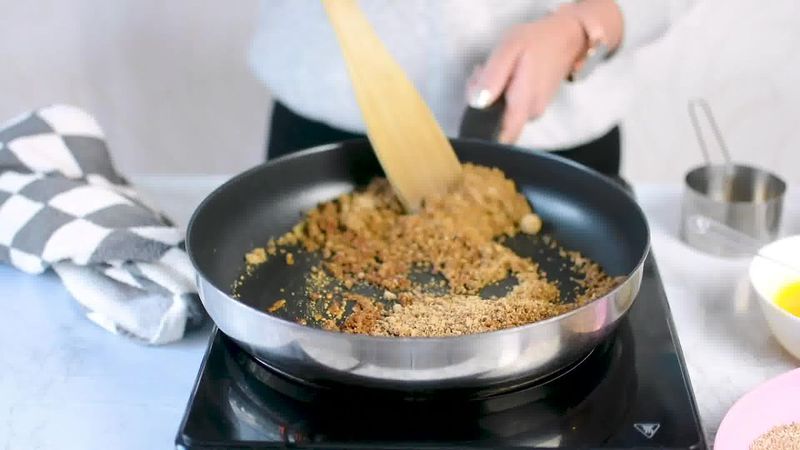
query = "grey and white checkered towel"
{"x": 62, "y": 205}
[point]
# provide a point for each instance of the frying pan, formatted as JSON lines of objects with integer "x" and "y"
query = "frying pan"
{"x": 580, "y": 208}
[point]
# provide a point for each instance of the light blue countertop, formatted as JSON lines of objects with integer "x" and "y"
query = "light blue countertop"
{"x": 65, "y": 383}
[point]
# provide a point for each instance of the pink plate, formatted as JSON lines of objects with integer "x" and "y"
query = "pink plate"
{"x": 776, "y": 402}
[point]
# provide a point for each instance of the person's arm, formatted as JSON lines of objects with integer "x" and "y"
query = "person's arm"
{"x": 535, "y": 58}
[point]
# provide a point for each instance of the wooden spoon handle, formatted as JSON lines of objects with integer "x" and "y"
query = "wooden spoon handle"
{"x": 413, "y": 150}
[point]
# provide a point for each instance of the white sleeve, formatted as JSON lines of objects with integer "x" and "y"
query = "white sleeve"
{"x": 644, "y": 21}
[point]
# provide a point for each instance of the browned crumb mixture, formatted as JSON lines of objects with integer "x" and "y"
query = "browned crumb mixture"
{"x": 365, "y": 236}
{"x": 782, "y": 437}
{"x": 533, "y": 299}
{"x": 256, "y": 256}
{"x": 280, "y": 303}
{"x": 365, "y": 239}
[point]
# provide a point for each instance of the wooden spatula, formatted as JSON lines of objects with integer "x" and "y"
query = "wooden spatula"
{"x": 412, "y": 148}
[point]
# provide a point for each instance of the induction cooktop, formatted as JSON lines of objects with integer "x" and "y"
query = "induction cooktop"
{"x": 632, "y": 391}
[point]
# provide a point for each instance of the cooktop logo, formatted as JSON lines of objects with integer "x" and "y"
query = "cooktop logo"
{"x": 647, "y": 429}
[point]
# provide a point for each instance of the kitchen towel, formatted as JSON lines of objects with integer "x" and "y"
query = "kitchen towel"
{"x": 63, "y": 206}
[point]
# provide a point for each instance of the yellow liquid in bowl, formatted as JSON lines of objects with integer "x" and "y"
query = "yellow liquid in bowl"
{"x": 788, "y": 298}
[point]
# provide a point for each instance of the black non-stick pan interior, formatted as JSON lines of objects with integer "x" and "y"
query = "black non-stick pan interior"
{"x": 582, "y": 210}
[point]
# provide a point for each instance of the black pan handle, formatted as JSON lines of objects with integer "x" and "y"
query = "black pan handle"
{"x": 483, "y": 123}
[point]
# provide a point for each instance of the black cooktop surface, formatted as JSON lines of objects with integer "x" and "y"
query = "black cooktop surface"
{"x": 631, "y": 392}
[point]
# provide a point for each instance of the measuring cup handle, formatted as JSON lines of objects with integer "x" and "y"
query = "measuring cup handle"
{"x": 694, "y": 104}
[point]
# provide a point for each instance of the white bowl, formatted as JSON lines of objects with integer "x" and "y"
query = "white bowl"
{"x": 767, "y": 277}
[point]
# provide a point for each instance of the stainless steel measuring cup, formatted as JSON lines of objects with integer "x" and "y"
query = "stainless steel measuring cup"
{"x": 745, "y": 198}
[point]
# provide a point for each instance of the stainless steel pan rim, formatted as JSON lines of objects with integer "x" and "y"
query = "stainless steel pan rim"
{"x": 420, "y": 364}
{"x": 394, "y": 340}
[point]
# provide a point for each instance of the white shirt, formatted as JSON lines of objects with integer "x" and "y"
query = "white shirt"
{"x": 438, "y": 43}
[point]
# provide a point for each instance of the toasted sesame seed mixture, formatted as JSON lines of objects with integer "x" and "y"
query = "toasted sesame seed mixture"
{"x": 782, "y": 437}
{"x": 366, "y": 241}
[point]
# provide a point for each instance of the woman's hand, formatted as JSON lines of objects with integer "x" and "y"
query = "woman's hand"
{"x": 532, "y": 61}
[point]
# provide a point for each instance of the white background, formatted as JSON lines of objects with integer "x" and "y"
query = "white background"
{"x": 169, "y": 83}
